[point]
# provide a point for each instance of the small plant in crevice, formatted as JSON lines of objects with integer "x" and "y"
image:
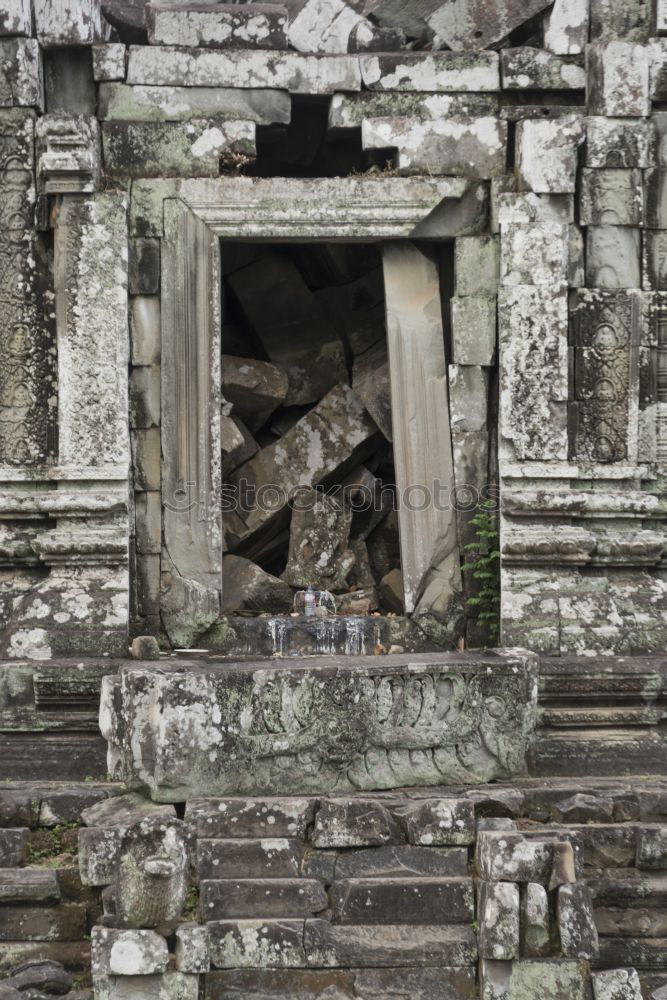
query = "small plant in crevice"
{"x": 483, "y": 565}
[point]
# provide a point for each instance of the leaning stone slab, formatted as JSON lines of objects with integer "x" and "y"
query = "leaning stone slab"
{"x": 566, "y": 27}
{"x": 393, "y": 945}
{"x": 498, "y": 920}
{"x": 159, "y": 66}
{"x": 437, "y": 72}
{"x": 21, "y": 82}
{"x": 354, "y": 823}
{"x": 127, "y": 952}
{"x": 528, "y": 68}
{"x": 418, "y": 901}
{"x": 344, "y": 731}
{"x": 469, "y": 25}
{"x": 172, "y": 149}
{"x": 470, "y": 146}
{"x": 120, "y": 102}
{"x": 223, "y": 26}
{"x": 616, "y": 984}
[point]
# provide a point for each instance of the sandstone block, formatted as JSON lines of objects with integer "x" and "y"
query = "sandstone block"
{"x": 616, "y": 984}
{"x": 370, "y": 381}
{"x": 275, "y": 857}
{"x": 20, "y": 74}
{"x": 470, "y": 25}
{"x": 476, "y": 265}
{"x": 242, "y": 817}
{"x": 192, "y": 949}
{"x": 16, "y": 18}
{"x": 127, "y": 952}
{"x": 123, "y": 811}
{"x": 618, "y": 143}
{"x": 67, "y": 22}
{"x": 618, "y": 79}
{"x": 336, "y": 984}
{"x": 437, "y": 72}
{"x": 611, "y": 197}
{"x": 28, "y": 885}
{"x": 547, "y": 154}
{"x": 528, "y": 68}
{"x": 613, "y": 257}
{"x": 439, "y": 822}
{"x": 335, "y": 26}
{"x": 13, "y": 847}
{"x": 498, "y": 920}
{"x": 159, "y": 66}
{"x": 505, "y": 856}
{"x": 474, "y": 329}
{"x": 652, "y": 847}
{"x": 418, "y": 901}
{"x": 225, "y": 26}
{"x": 62, "y": 922}
{"x": 547, "y": 979}
{"x": 172, "y": 149}
{"x": 566, "y": 27}
{"x": 631, "y": 22}
{"x": 401, "y": 860}
{"x": 319, "y": 552}
{"x": 247, "y": 588}
{"x": 144, "y": 266}
{"x": 120, "y": 102}
{"x": 330, "y": 945}
{"x": 254, "y": 388}
{"x": 534, "y": 254}
{"x": 471, "y": 147}
{"x": 582, "y": 808}
{"x": 576, "y": 924}
{"x": 167, "y": 986}
{"x": 535, "y": 933}
{"x": 271, "y": 944}
{"x": 261, "y": 898}
{"x": 148, "y": 522}
{"x": 145, "y": 330}
{"x": 108, "y": 62}
{"x": 350, "y": 110}
{"x": 354, "y": 823}
{"x": 144, "y": 390}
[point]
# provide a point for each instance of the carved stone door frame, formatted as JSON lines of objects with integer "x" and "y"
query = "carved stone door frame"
{"x": 193, "y": 215}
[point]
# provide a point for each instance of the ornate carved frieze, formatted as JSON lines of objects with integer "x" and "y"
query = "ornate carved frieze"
{"x": 606, "y": 329}
{"x": 17, "y": 166}
{"x": 555, "y": 502}
{"x": 555, "y": 545}
{"x": 68, "y": 154}
{"x": 240, "y": 730}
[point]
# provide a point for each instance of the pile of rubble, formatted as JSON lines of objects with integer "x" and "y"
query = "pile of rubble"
{"x": 308, "y": 469}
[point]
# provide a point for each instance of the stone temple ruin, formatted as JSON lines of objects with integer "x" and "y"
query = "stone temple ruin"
{"x": 333, "y": 503}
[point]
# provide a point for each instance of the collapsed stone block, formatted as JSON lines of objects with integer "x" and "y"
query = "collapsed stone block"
{"x": 354, "y": 823}
{"x": 319, "y": 552}
{"x": 498, "y": 920}
{"x": 576, "y": 924}
{"x": 335, "y": 26}
{"x": 248, "y": 589}
{"x": 254, "y": 388}
{"x": 225, "y": 26}
{"x": 127, "y": 952}
{"x": 472, "y": 26}
{"x": 566, "y": 27}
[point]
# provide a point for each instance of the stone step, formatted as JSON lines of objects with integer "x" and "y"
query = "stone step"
{"x": 64, "y": 922}
{"x": 29, "y": 885}
{"x": 314, "y": 984}
{"x": 628, "y": 888}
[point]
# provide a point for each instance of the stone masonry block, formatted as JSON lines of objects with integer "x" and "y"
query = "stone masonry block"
{"x": 476, "y": 265}
{"x": 498, "y": 920}
{"x": 148, "y": 523}
{"x": 652, "y": 847}
{"x": 16, "y": 18}
{"x": 261, "y": 898}
{"x": 108, "y": 62}
{"x": 547, "y": 154}
{"x": 250, "y": 818}
{"x": 354, "y": 823}
{"x": 392, "y": 945}
{"x": 277, "y": 857}
{"x": 619, "y": 143}
{"x": 225, "y": 26}
{"x": 192, "y": 949}
{"x": 528, "y": 68}
{"x": 145, "y": 330}
{"x": 535, "y": 254}
{"x": 616, "y": 984}
{"x": 611, "y": 198}
{"x": 21, "y": 82}
{"x": 439, "y": 822}
{"x": 397, "y": 861}
{"x": 576, "y": 924}
{"x": 144, "y": 392}
{"x": 144, "y": 266}
{"x": 474, "y": 329}
{"x": 146, "y": 458}
{"x": 613, "y": 257}
{"x": 618, "y": 79}
{"x": 535, "y": 932}
{"x": 271, "y": 944}
{"x": 566, "y": 27}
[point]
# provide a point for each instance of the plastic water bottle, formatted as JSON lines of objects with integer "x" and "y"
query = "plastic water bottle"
{"x": 309, "y": 602}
